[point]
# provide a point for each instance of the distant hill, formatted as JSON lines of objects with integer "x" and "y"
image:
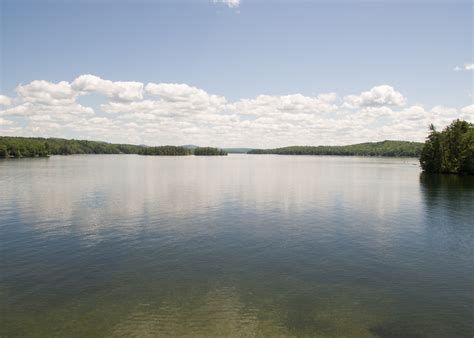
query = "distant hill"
{"x": 384, "y": 148}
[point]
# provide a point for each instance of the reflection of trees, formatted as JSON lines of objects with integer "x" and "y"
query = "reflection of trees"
{"x": 448, "y": 196}
{"x": 445, "y": 187}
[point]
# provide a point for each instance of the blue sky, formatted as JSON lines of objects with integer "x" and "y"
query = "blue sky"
{"x": 275, "y": 48}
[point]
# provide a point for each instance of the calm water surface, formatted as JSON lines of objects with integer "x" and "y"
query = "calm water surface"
{"x": 241, "y": 245}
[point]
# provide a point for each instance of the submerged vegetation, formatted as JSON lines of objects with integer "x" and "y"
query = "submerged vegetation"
{"x": 450, "y": 151}
{"x": 385, "y": 148}
{"x": 207, "y": 151}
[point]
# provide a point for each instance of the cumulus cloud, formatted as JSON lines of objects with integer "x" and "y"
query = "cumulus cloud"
{"x": 5, "y": 100}
{"x": 170, "y": 113}
{"x": 383, "y": 95}
{"x": 468, "y": 109}
{"x": 33, "y": 108}
{"x": 175, "y": 92}
{"x": 288, "y": 104}
{"x": 183, "y": 98}
{"x": 467, "y": 113}
{"x": 229, "y": 3}
{"x": 4, "y": 122}
{"x": 47, "y": 93}
{"x": 118, "y": 90}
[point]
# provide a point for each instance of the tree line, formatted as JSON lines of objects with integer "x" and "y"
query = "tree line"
{"x": 165, "y": 151}
{"x": 18, "y": 147}
{"x": 208, "y": 151}
{"x": 385, "y": 148}
{"x": 41, "y": 147}
{"x": 172, "y": 150}
{"x": 450, "y": 151}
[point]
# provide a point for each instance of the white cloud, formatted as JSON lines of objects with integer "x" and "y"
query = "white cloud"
{"x": 467, "y": 66}
{"x": 5, "y": 100}
{"x": 175, "y": 92}
{"x": 167, "y": 113}
{"x": 291, "y": 104}
{"x": 378, "y": 96}
{"x": 184, "y": 97}
{"x": 48, "y": 93}
{"x": 229, "y": 3}
{"x": 468, "y": 109}
{"x": 118, "y": 90}
{"x": 4, "y": 122}
{"x": 413, "y": 113}
{"x": 29, "y": 109}
{"x": 467, "y": 113}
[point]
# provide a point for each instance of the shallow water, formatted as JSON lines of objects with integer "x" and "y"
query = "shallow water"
{"x": 243, "y": 245}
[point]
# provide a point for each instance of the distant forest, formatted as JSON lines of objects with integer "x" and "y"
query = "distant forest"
{"x": 179, "y": 151}
{"x": 450, "y": 151}
{"x": 165, "y": 151}
{"x": 18, "y": 147}
{"x": 41, "y": 147}
{"x": 206, "y": 151}
{"x": 385, "y": 148}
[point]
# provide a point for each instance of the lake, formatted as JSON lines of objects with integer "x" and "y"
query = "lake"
{"x": 242, "y": 245}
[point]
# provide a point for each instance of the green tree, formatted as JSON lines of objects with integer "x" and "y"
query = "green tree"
{"x": 3, "y": 151}
{"x": 208, "y": 151}
{"x": 450, "y": 151}
{"x": 430, "y": 158}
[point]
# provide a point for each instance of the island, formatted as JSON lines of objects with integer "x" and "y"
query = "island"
{"x": 208, "y": 151}
{"x": 165, "y": 151}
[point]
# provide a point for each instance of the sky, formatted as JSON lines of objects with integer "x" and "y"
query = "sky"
{"x": 232, "y": 73}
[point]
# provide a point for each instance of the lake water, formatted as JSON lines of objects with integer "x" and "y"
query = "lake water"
{"x": 243, "y": 245}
